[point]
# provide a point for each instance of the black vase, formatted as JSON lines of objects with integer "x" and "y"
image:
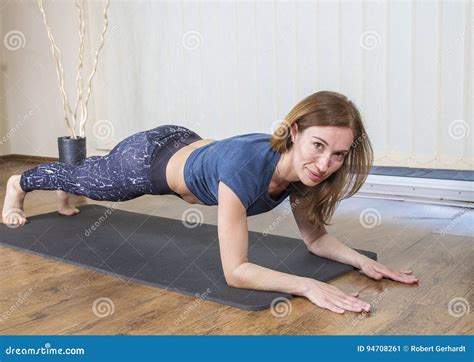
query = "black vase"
{"x": 71, "y": 150}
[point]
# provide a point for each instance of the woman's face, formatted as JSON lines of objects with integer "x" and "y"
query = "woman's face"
{"x": 319, "y": 150}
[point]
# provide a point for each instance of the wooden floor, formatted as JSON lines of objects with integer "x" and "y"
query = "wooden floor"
{"x": 42, "y": 296}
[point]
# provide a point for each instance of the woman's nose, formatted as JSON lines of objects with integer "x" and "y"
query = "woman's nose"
{"x": 322, "y": 164}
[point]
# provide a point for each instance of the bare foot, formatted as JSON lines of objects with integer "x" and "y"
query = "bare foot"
{"x": 12, "y": 213}
{"x": 64, "y": 206}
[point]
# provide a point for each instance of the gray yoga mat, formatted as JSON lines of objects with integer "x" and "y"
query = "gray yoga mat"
{"x": 163, "y": 252}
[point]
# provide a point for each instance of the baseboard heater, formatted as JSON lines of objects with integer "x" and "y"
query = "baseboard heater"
{"x": 426, "y": 190}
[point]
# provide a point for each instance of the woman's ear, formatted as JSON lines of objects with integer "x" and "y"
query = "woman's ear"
{"x": 294, "y": 131}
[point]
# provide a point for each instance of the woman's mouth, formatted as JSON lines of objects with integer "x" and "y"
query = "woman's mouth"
{"x": 314, "y": 176}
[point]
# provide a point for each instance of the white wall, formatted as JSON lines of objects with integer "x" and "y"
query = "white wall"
{"x": 407, "y": 65}
{"x": 3, "y": 115}
{"x": 33, "y": 106}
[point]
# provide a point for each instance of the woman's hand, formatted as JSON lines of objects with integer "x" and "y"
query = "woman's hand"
{"x": 328, "y": 296}
{"x": 376, "y": 270}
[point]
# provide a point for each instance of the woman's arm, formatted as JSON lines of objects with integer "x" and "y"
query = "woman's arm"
{"x": 318, "y": 240}
{"x": 328, "y": 246}
{"x": 320, "y": 243}
{"x": 240, "y": 273}
{"x": 233, "y": 244}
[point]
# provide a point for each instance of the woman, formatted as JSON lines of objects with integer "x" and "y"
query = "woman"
{"x": 319, "y": 155}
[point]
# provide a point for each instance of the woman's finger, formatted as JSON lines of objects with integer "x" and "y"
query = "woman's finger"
{"x": 337, "y": 309}
{"x": 341, "y": 303}
{"x": 355, "y": 306}
{"x": 413, "y": 279}
{"x": 388, "y": 273}
{"x": 353, "y": 302}
{"x": 332, "y": 307}
{"x": 399, "y": 276}
{"x": 405, "y": 278}
{"x": 353, "y": 299}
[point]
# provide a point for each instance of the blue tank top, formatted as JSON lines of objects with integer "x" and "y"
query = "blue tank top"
{"x": 245, "y": 163}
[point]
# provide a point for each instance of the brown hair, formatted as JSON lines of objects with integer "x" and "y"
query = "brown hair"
{"x": 333, "y": 109}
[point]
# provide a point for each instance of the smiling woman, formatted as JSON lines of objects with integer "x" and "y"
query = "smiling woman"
{"x": 324, "y": 139}
{"x": 319, "y": 155}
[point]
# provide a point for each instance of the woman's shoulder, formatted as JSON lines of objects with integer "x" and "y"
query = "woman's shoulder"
{"x": 245, "y": 146}
{"x": 250, "y": 150}
{"x": 246, "y": 143}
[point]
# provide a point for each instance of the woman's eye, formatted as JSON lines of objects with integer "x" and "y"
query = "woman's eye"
{"x": 317, "y": 144}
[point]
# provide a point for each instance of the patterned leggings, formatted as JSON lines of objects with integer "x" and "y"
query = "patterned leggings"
{"x": 135, "y": 167}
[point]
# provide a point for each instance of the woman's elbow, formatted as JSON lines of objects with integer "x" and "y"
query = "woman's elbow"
{"x": 231, "y": 282}
{"x": 232, "y": 278}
